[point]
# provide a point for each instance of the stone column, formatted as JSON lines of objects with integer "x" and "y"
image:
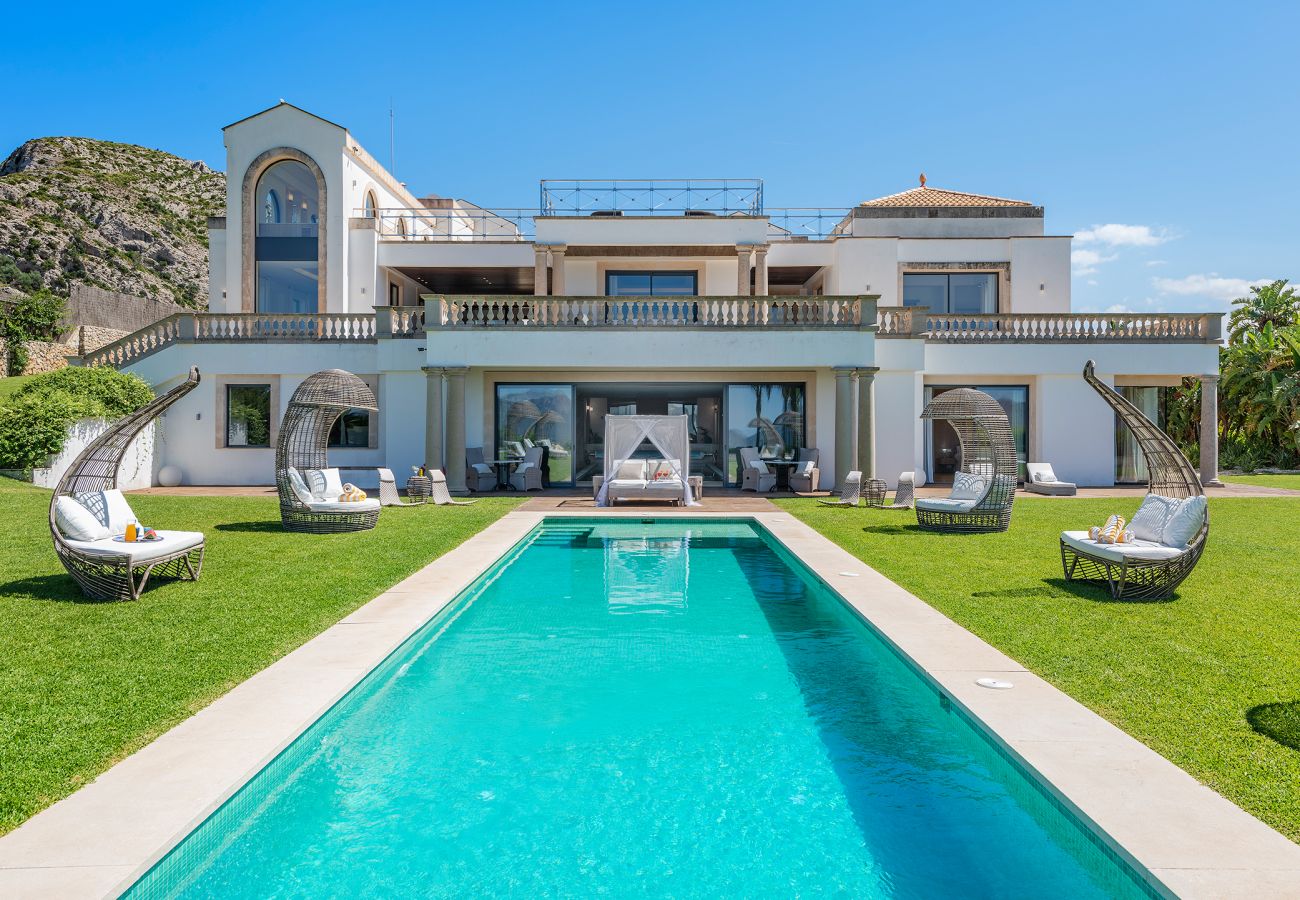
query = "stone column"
{"x": 432, "y": 417}
{"x": 846, "y": 450}
{"x": 456, "y": 429}
{"x": 760, "y": 271}
{"x": 867, "y": 421}
{"x": 557, "y": 269}
{"x": 1210, "y": 430}
{"x": 539, "y": 270}
{"x": 742, "y": 265}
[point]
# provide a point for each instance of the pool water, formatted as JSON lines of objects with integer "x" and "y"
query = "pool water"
{"x": 667, "y": 709}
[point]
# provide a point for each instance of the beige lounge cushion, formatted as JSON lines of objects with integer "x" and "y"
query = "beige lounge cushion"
{"x": 631, "y": 470}
{"x": 343, "y": 506}
{"x": 1146, "y": 550}
{"x": 946, "y": 504}
{"x": 140, "y": 551}
{"x": 77, "y": 523}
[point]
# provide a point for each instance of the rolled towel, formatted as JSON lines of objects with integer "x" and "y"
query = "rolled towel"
{"x": 1111, "y": 531}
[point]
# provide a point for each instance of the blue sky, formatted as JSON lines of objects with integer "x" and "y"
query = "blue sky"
{"x": 1165, "y": 135}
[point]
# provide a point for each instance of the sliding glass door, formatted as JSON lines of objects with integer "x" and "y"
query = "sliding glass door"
{"x": 1130, "y": 466}
{"x": 537, "y": 415}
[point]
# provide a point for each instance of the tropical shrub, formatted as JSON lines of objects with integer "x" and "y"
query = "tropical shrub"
{"x": 34, "y": 420}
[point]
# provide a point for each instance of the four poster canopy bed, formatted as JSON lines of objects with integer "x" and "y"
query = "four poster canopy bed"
{"x": 631, "y": 475}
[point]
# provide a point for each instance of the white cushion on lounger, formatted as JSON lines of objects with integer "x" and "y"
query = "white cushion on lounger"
{"x": 632, "y": 470}
{"x": 110, "y": 508}
{"x": 1079, "y": 540}
{"x": 967, "y": 487}
{"x": 341, "y": 506}
{"x": 946, "y": 504}
{"x": 77, "y": 523}
{"x": 627, "y": 482}
{"x": 1148, "y": 523}
{"x": 299, "y": 487}
{"x": 1185, "y": 522}
{"x": 325, "y": 484}
{"x": 141, "y": 551}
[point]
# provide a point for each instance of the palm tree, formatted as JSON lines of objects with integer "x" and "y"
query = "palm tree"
{"x": 1268, "y": 304}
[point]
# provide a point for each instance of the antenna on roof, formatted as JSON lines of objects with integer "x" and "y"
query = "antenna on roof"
{"x": 922, "y": 179}
{"x": 390, "y": 134}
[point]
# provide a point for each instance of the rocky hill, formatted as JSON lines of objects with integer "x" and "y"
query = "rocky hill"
{"x": 116, "y": 216}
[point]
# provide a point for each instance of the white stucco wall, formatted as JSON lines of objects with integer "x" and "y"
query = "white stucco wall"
{"x": 138, "y": 463}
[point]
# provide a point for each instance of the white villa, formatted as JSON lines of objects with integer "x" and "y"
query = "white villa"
{"x": 769, "y": 328}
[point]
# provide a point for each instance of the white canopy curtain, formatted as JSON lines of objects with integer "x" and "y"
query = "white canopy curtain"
{"x": 670, "y": 435}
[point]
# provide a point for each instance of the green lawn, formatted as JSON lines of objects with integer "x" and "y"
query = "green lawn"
{"x": 1188, "y": 677}
{"x": 1290, "y": 482}
{"x": 11, "y": 384}
{"x": 84, "y": 684}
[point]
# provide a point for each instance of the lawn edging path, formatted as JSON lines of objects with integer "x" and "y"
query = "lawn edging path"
{"x": 1180, "y": 676}
{"x": 84, "y": 684}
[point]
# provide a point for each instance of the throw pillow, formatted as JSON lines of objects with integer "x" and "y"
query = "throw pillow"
{"x": 299, "y": 487}
{"x": 483, "y": 468}
{"x": 966, "y": 486}
{"x": 1185, "y": 522}
{"x": 806, "y": 468}
{"x": 1149, "y": 522}
{"x": 76, "y": 523}
{"x": 759, "y": 466}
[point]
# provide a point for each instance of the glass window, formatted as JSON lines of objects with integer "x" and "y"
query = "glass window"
{"x": 958, "y": 293}
{"x": 368, "y": 210}
{"x": 651, "y": 284}
{"x": 287, "y": 286}
{"x": 537, "y": 415}
{"x": 1130, "y": 465}
{"x": 767, "y": 416}
{"x": 352, "y": 429}
{"x": 290, "y": 201}
{"x": 248, "y": 415}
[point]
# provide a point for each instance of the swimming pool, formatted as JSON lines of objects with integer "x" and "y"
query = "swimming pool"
{"x": 623, "y": 707}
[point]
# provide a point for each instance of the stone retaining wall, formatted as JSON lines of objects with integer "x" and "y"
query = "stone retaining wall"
{"x": 96, "y": 307}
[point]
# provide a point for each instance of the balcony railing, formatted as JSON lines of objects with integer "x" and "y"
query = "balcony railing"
{"x": 233, "y": 327}
{"x": 771, "y": 312}
{"x": 420, "y": 224}
{"x": 1003, "y": 328}
{"x": 807, "y": 223}
{"x": 648, "y": 312}
{"x": 651, "y": 196}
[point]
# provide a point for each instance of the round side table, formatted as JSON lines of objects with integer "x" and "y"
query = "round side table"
{"x": 874, "y": 491}
{"x": 419, "y": 488}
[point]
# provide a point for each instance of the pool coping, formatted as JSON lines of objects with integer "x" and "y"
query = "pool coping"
{"x": 99, "y": 840}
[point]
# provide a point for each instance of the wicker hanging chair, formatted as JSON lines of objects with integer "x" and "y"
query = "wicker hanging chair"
{"x": 988, "y": 453}
{"x": 1171, "y": 475}
{"x": 304, "y": 438}
{"x": 101, "y": 572}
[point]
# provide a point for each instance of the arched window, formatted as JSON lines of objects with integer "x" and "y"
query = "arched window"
{"x": 401, "y": 227}
{"x": 286, "y": 250}
{"x": 368, "y": 209}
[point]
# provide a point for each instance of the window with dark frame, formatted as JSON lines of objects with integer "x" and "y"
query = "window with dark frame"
{"x": 652, "y": 284}
{"x": 394, "y": 294}
{"x": 952, "y": 293}
{"x": 352, "y": 429}
{"x": 248, "y": 415}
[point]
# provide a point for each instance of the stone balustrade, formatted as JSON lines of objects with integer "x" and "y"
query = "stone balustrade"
{"x": 1004, "y": 328}
{"x": 649, "y": 312}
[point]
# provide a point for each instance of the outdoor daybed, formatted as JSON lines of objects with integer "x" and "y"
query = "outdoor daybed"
{"x": 88, "y": 517}
{"x": 311, "y": 494}
{"x": 646, "y": 479}
{"x": 1170, "y": 527}
{"x": 1042, "y": 480}
{"x": 984, "y": 487}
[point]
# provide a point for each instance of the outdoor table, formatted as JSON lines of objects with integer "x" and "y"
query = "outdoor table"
{"x": 503, "y": 467}
{"x": 782, "y": 467}
{"x": 419, "y": 488}
{"x": 874, "y": 491}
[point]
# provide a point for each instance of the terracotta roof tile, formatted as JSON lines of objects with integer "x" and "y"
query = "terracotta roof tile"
{"x": 936, "y": 197}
